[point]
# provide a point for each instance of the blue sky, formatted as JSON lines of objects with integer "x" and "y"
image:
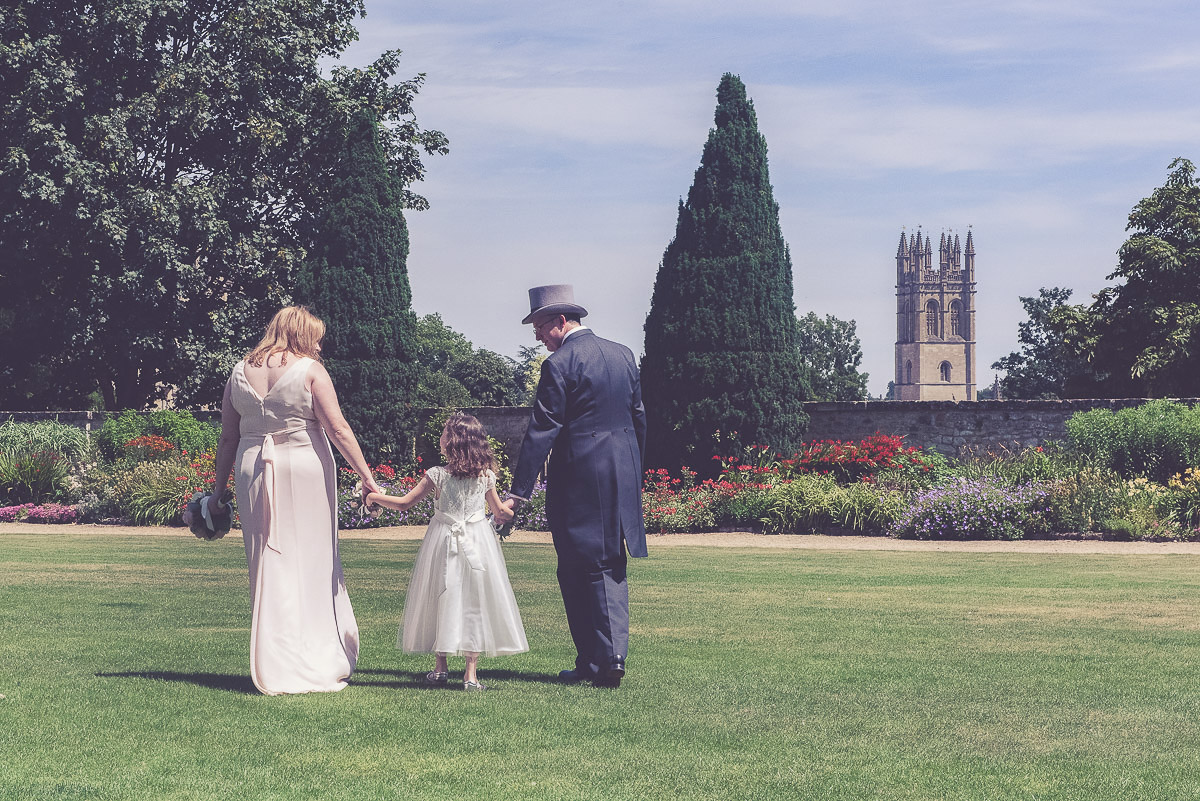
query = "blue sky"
{"x": 576, "y": 128}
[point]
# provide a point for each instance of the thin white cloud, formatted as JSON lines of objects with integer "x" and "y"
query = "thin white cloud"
{"x": 879, "y": 130}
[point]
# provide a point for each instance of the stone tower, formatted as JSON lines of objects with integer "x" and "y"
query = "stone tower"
{"x": 935, "y": 319}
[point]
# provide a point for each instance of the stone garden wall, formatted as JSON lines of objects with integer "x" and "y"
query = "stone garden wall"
{"x": 946, "y": 426}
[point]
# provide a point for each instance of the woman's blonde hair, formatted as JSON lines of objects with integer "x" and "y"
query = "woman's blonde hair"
{"x": 293, "y": 329}
{"x": 468, "y": 454}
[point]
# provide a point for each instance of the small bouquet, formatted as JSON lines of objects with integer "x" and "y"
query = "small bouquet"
{"x": 502, "y": 531}
{"x": 203, "y": 522}
{"x": 359, "y": 506}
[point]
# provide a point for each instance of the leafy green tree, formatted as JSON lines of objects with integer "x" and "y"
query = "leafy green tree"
{"x": 832, "y": 354}
{"x": 163, "y": 170}
{"x": 1148, "y": 326}
{"x": 1051, "y": 362}
{"x": 722, "y": 368}
{"x": 356, "y": 280}
{"x": 454, "y": 373}
{"x": 529, "y": 370}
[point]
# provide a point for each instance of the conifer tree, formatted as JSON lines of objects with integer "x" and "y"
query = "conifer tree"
{"x": 722, "y": 368}
{"x": 356, "y": 280}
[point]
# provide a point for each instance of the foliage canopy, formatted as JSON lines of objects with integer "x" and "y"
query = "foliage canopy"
{"x": 832, "y": 354}
{"x": 164, "y": 166}
{"x": 1140, "y": 337}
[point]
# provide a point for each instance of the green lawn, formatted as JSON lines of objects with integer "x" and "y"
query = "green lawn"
{"x": 754, "y": 674}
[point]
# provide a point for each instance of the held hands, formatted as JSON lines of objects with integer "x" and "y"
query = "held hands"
{"x": 369, "y": 485}
{"x": 505, "y": 513}
{"x": 502, "y": 518}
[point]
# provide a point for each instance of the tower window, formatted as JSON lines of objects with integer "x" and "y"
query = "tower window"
{"x": 931, "y": 318}
{"x": 944, "y": 368}
{"x": 908, "y": 372}
{"x": 956, "y": 319}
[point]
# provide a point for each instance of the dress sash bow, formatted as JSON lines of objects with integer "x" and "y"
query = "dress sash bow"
{"x": 267, "y": 456}
{"x": 459, "y": 542}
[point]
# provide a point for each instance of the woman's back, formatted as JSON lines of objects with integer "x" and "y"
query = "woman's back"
{"x": 272, "y": 398}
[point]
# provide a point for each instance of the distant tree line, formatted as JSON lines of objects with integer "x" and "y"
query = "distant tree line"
{"x": 1138, "y": 338}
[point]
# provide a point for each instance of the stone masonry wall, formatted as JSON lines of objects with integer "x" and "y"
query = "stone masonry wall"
{"x": 946, "y": 426}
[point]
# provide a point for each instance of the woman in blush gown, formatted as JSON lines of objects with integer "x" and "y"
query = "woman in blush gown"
{"x": 278, "y": 415}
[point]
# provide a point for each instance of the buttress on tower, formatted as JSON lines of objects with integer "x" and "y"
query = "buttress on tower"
{"x": 935, "y": 319}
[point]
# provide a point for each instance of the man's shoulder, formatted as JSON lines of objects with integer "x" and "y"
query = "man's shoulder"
{"x": 587, "y": 338}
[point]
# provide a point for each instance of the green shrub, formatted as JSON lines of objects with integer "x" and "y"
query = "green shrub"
{"x": 745, "y": 507}
{"x": 503, "y": 473}
{"x": 119, "y": 429}
{"x": 181, "y": 428}
{"x": 867, "y": 507}
{"x": 1155, "y": 440}
{"x": 1078, "y": 503}
{"x": 45, "y": 435}
{"x": 677, "y": 504}
{"x": 149, "y": 448}
{"x": 1016, "y": 464}
{"x": 802, "y": 506}
{"x": 1184, "y": 491}
{"x": 154, "y": 493}
{"x": 32, "y": 476}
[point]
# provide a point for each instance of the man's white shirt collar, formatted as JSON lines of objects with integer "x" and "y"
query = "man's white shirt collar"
{"x": 573, "y": 330}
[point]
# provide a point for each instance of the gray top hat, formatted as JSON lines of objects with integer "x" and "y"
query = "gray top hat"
{"x": 553, "y": 299}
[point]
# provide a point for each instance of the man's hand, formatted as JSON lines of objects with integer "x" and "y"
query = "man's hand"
{"x": 505, "y": 513}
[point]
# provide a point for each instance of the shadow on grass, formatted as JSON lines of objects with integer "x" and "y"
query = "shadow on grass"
{"x": 215, "y": 681}
{"x": 409, "y": 678}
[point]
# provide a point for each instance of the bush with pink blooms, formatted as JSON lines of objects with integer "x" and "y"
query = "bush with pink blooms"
{"x": 39, "y": 513}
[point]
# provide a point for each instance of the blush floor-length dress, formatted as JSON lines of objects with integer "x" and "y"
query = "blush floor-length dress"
{"x": 303, "y": 637}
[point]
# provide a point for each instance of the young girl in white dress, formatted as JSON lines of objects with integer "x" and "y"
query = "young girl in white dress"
{"x": 459, "y": 598}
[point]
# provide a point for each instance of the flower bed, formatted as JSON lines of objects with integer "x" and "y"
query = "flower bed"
{"x": 145, "y": 471}
{"x": 39, "y": 513}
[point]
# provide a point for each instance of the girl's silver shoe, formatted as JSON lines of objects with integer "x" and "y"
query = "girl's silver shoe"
{"x": 435, "y": 679}
{"x": 473, "y": 686}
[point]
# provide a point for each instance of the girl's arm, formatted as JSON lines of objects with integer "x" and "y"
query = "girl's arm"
{"x": 423, "y": 488}
{"x": 500, "y": 512}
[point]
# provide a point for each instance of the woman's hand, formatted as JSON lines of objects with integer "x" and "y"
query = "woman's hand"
{"x": 369, "y": 485}
{"x": 214, "y": 505}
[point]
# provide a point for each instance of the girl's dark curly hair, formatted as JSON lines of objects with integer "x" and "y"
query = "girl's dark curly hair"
{"x": 468, "y": 454}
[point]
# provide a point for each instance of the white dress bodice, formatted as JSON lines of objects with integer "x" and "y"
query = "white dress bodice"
{"x": 460, "y": 498}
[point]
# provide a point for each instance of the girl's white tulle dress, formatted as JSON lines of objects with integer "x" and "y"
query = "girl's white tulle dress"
{"x": 459, "y": 598}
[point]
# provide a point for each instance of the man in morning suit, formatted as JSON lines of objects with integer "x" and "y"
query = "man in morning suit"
{"x": 588, "y": 416}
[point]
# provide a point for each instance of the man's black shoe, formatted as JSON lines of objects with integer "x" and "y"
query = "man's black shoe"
{"x": 617, "y": 669}
{"x": 571, "y": 676}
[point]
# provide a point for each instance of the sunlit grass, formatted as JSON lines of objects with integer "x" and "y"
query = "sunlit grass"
{"x": 754, "y": 674}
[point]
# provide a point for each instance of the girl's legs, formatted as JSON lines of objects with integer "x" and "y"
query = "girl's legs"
{"x": 472, "y": 663}
{"x": 439, "y": 675}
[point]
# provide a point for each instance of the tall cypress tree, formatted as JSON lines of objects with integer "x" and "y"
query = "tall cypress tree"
{"x": 722, "y": 368}
{"x": 356, "y": 279}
